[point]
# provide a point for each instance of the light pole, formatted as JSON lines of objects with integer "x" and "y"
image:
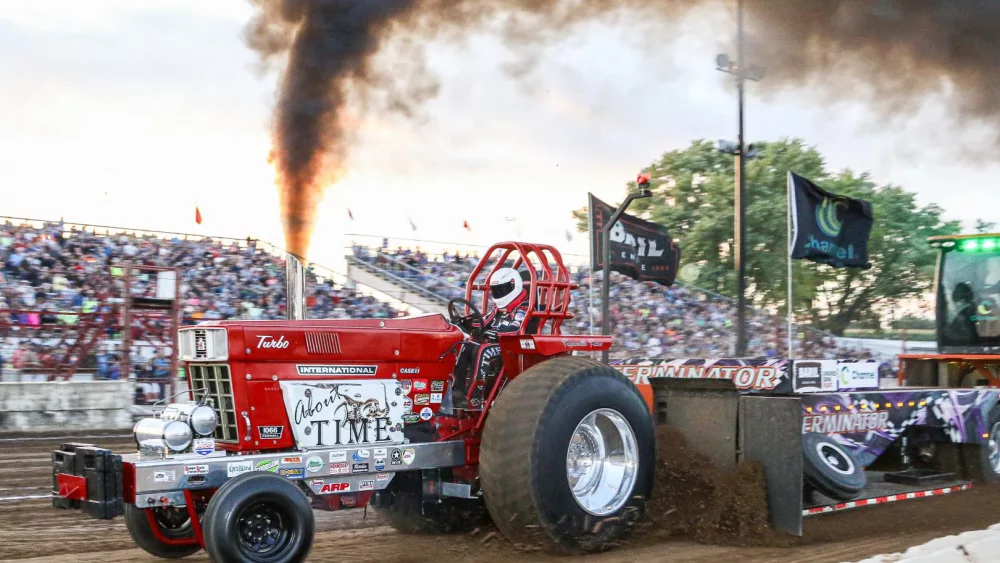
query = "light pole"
{"x": 742, "y": 73}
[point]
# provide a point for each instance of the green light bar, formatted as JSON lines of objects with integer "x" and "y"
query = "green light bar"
{"x": 989, "y": 244}
{"x": 970, "y": 245}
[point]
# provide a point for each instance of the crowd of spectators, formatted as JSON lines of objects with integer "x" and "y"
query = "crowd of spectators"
{"x": 52, "y": 276}
{"x": 647, "y": 319}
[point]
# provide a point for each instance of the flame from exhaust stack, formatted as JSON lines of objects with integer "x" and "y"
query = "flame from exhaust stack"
{"x": 888, "y": 53}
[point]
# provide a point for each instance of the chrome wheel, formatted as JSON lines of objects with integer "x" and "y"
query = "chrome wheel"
{"x": 602, "y": 462}
{"x": 994, "y": 448}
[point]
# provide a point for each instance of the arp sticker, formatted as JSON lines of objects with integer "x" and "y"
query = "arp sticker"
{"x": 165, "y": 476}
{"x": 314, "y": 464}
{"x": 330, "y": 488}
{"x": 235, "y": 468}
{"x": 409, "y": 454}
{"x": 437, "y": 386}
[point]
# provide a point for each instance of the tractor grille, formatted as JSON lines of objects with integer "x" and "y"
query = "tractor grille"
{"x": 214, "y": 381}
{"x": 322, "y": 343}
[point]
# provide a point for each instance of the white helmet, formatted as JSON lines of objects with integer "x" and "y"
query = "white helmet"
{"x": 505, "y": 286}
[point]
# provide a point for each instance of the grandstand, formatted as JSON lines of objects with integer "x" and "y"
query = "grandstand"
{"x": 67, "y": 290}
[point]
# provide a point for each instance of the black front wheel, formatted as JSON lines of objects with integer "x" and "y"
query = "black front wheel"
{"x": 259, "y": 518}
{"x": 830, "y": 468}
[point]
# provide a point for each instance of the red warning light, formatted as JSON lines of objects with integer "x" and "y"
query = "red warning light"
{"x": 642, "y": 179}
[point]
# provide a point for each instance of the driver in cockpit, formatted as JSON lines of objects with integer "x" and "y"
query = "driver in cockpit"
{"x": 963, "y": 325}
{"x": 510, "y": 299}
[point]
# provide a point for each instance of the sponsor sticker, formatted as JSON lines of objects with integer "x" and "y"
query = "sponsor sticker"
{"x": 421, "y": 399}
{"x": 317, "y": 482}
{"x": 329, "y": 488}
{"x": 336, "y": 370}
{"x": 165, "y": 476}
{"x": 409, "y": 454}
{"x": 196, "y": 470}
{"x": 292, "y": 472}
{"x": 437, "y": 386}
{"x": 381, "y": 477}
{"x": 396, "y": 457}
{"x": 405, "y": 385}
{"x": 235, "y": 468}
{"x": 436, "y": 397}
{"x": 420, "y": 385}
{"x": 348, "y": 501}
{"x": 314, "y": 464}
{"x": 367, "y": 485}
{"x": 204, "y": 446}
{"x": 293, "y": 460}
{"x": 426, "y": 413}
{"x": 407, "y": 405}
{"x": 340, "y": 468}
{"x": 361, "y": 455}
{"x": 269, "y": 465}
{"x": 411, "y": 418}
{"x": 527, "y": 344}
{"x": 380, "y": 452}
{"x": 338, "y": 456}
{"x": 359, "y": 468}
{"x": 379, "y": 464}
{"x": 270, "y": 432}
{"x": 409, "y": 370}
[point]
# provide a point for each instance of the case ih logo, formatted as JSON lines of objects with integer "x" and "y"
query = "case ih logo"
{"x": 328, "y": 488}
{"x": 336, "y": 370}
{"x": 268, "y": 341}
{"x": 270, "y": 432}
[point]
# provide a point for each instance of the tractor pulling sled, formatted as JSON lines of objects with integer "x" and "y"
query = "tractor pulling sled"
{"x": 558, "y": 450}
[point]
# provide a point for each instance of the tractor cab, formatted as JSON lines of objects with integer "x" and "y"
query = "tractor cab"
{"x": 539, "y": 308}
{"x": 967, "y": 316}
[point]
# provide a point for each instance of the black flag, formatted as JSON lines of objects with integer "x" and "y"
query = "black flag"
{"x": 829, "y": 228}
{"x": 641, "y": 250}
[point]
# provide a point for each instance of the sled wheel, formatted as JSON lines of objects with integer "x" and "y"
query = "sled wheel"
{"x": 567, "y": 457}
{"x": 830, "y": 468}
{"x": 983, "y": 461}
{"x": 171, "y": 523}
{"x": 258, "y": 517}
{"x": 404, "y": 513}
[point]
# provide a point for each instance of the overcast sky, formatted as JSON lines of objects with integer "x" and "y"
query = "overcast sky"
{"x": 129, "y": 112}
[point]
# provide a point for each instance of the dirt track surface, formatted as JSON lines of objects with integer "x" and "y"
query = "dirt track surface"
{"x": 30, "y": 530}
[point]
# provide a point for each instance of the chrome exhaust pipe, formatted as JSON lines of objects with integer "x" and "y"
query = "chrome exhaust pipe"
{"x": 295, "y": 289}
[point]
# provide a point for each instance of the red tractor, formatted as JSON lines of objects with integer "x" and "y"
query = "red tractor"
{"x": 290, "y": 416}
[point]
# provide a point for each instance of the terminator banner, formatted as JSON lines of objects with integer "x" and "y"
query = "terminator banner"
{"x": 751, "y": 376}
{"x": 640, "y": 250}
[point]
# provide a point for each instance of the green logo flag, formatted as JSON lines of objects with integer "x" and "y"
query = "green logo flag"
{"x": 828, "y": 228}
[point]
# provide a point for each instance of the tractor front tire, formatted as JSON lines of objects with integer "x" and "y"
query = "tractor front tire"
{"x": 982, "y": 462}
{"x": 258, "y": 517}
{"x": 567, "y": 457}
{"x": 139, "y": 527}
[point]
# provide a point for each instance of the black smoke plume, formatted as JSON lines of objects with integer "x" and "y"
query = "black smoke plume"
{"x": 888, "y": 53}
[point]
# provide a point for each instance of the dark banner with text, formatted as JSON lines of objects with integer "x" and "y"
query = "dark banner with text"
{"x": 640, "y": 249}
{"x": 829, "y": 228}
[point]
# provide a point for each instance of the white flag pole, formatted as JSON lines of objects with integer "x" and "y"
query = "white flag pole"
{"x": 791, "y": 246}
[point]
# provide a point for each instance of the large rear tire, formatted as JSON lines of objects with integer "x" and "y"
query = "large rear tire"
{"x": 567, "y": 457}
{"x": 982, "y": 462}
{"x": 258, "y": 517}
{"x": 172, "y": 524}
